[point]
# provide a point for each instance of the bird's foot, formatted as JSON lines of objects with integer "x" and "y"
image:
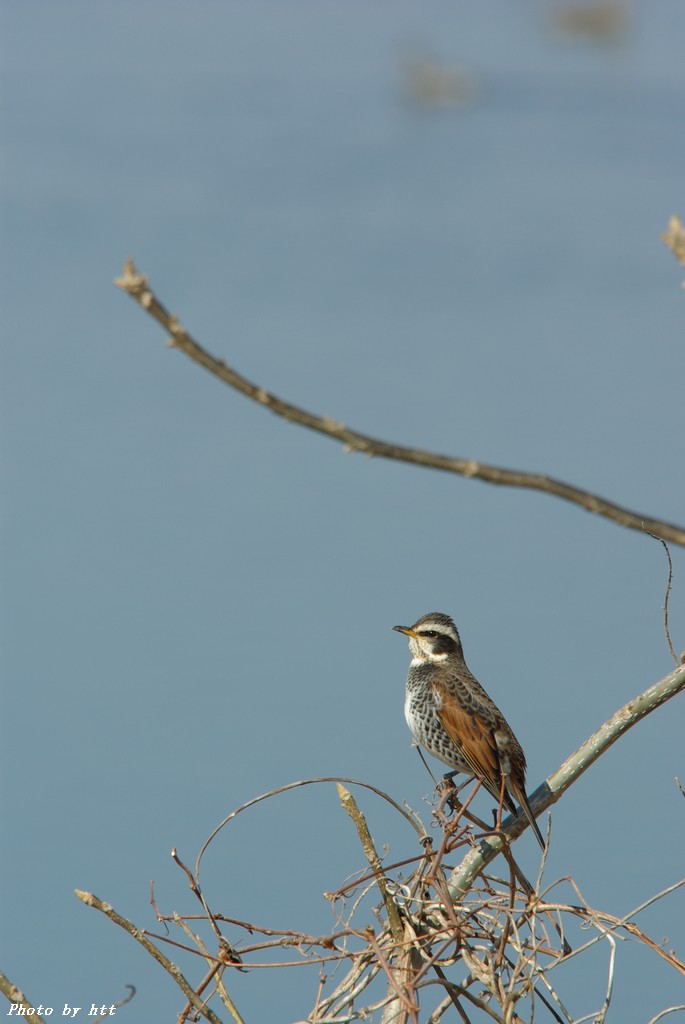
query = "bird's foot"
{"x": 448, "y": 792}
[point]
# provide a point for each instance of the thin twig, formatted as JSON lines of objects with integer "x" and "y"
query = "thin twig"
{"x": 598, "y": 916}
{"x": 215, "y": 972}
{"x": 664, "y": 1013}
{"x": 669, "y": 582}
{"x": 91, "y": 900}
{"x": 115, "y": 1006}
{"x": 137, "y": 286}
{"x": 601, "y": 1016}
{"x": 297, "y": 785}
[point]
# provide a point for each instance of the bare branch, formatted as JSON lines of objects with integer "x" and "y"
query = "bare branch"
{"x": 352, "y": 808}
{"x": 105, "y": 908}
{"x": 17, "y": 998}
{"x": 136, "y": 285}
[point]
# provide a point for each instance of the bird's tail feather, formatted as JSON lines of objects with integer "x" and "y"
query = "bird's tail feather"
{"x": 523, "y": 800}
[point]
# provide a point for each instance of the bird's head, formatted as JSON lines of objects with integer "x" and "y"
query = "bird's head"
{"x": 433, "y": 638}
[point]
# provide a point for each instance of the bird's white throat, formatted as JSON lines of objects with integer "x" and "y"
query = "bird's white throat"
{"x": 427, "y": 659}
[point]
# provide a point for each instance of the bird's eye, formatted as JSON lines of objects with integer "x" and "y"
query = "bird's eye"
{"x": 432, "y": 633}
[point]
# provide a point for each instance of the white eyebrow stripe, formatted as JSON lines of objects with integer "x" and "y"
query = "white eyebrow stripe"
{"x": 436, "y": 627}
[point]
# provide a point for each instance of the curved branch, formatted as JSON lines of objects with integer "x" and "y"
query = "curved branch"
{"x": 136, "y": 285}
{"x": 298, "y": 785}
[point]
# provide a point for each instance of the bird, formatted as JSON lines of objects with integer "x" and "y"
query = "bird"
{"x": 450, "y": 714}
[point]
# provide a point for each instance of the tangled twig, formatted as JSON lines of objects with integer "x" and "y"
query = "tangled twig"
{"x": 488, "y": 950}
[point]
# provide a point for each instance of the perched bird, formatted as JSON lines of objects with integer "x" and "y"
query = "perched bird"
{"x": 451, "y": 715}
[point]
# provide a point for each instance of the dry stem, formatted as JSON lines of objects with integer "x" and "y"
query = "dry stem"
{"x": 137, "y": 286}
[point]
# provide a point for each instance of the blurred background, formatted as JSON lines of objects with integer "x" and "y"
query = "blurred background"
{"x": 439, "y": 224}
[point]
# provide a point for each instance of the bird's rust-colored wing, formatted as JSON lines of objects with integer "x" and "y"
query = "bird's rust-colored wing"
{"x": 473, "y": 735}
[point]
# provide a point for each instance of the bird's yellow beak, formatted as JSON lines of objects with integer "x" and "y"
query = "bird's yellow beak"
{"x": 407, "y": 630}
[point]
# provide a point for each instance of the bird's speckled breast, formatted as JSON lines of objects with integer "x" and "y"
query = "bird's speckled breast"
{"x": 421, "y": 706}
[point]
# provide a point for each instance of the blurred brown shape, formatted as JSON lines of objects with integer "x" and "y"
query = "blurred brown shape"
{"x": 430, "y": 82}
{"x": 603, "y": 21}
